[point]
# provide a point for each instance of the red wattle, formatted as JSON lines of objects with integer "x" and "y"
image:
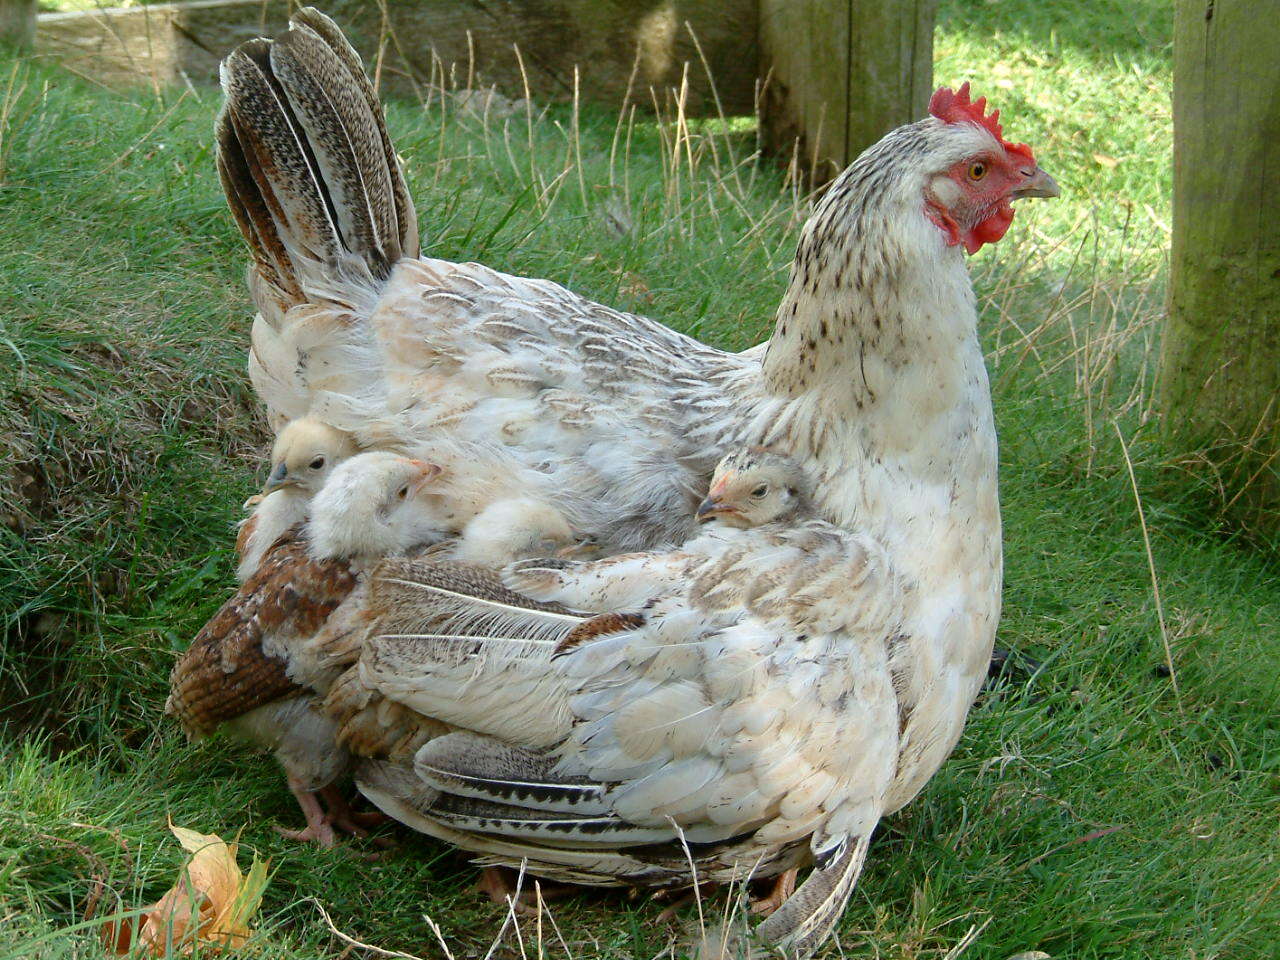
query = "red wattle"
{"x": 989, "y": 230}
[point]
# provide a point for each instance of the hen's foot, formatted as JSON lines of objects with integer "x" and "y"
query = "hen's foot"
{"x": 781, "y": 887}
{"x": 499, "y": 885}
{"x": 356, "y": 823}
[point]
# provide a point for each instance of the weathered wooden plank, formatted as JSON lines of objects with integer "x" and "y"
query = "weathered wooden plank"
{"x": 605, "y": 39}
{"x": 1220, "y": 376}
{"x": 842, "y": 73}
{"x": 474, "y": 39}
{"x": 18, "y": 22}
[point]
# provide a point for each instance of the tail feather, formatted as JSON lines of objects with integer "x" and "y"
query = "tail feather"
{"x": 405, "y": 217}
{"x": 805, "y": 920}
{"x": 308, "y": 167}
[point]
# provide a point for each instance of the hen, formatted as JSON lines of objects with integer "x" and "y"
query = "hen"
{"x": 874, "y": 377}
{"x": 873, "y": 380}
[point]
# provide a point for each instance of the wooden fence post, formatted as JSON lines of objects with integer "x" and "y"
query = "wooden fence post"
{"x": 842, "y": 73}
{"x": 1220, "y": 363}
{"x": 18, "y": 22}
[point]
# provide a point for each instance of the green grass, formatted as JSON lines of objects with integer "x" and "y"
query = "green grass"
{"x": 1088, "y": 812}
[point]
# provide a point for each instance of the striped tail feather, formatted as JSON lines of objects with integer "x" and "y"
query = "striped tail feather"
{"x": 308, "y": 166}
{"x": 806, "y": 919}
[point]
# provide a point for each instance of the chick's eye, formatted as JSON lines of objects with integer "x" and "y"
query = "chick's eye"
{"x": 977, "y": 170}
{"x": 317, "y": 463}
{"x": 760, "y": 491}
{"x": 402, "y": 492}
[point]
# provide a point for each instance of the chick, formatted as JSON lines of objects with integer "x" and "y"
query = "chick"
{"x": 376, "y": 505}
{"x": 755, "y": 486}
{"x": 511, "y": 530}
{"x": 302, "y": 458}
{"x": 260, "y": 666}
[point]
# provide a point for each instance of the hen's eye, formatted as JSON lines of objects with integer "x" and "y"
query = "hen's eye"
{"x": 977, "y": 170}
{"x": 403, "y": 492}
{"x": 317, "y": 463}
{"x": 760, "y": 491}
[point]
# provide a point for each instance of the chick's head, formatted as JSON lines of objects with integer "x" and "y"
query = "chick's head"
{"x": 754, "y": 486}
{"x": 305, "y": 453}
{"x": 374, "y": 505}
{"x": 514, "y": 529}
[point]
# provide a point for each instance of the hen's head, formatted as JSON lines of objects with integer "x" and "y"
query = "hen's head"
{"x": 754, "y": 486}
{"x": 305, "y": 453}
{"x": 373, "y": 505}
{"x": 972, "y": 172}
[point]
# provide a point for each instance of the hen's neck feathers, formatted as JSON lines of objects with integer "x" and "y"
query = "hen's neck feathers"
{"x": 874, "y": 356}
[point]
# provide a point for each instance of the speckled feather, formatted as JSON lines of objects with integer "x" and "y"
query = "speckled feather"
{"x": 237, "y": 661}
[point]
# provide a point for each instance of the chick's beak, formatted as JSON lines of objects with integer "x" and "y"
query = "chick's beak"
{"x": 279, "y": 477}
{"x": 709, "y": 509}
{"x": 1037, "y": 184}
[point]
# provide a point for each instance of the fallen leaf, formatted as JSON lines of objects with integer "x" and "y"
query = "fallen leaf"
{"x": 211, "y": 904}
{"x": 1103, "y": 160}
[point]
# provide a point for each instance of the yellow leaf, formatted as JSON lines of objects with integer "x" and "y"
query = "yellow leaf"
{"x": 1103, "y": 160}
{"x": 212, "y": 903}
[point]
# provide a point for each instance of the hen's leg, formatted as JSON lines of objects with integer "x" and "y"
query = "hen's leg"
{"x": 783, "y": 886}
{"x": 318, "y": 829}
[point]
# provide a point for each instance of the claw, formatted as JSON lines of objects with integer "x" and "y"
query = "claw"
{"x": 783, "y": 886}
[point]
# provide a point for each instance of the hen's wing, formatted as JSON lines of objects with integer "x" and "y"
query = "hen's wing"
{"x": 722, "y": 724}
{"x": 626, "y": 416}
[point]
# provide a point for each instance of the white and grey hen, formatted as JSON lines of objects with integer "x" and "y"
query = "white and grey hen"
{"x": 873, "y": 379}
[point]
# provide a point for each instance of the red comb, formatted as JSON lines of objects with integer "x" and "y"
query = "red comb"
{"x": 954, "y": 106}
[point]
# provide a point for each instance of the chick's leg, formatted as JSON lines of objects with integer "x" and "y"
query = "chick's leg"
{"x": 318, "y": 829}
{"x": 350, "y": 821}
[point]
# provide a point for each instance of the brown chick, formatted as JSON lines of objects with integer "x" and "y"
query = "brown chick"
{"x": 257, "y": 669}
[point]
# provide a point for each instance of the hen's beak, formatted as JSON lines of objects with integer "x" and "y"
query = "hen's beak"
{"x": 1038, "y": 184}
{"x": 279, "y": 478}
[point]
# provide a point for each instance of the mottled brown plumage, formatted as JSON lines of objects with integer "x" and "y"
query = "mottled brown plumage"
{"x": 227, "y": 671}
